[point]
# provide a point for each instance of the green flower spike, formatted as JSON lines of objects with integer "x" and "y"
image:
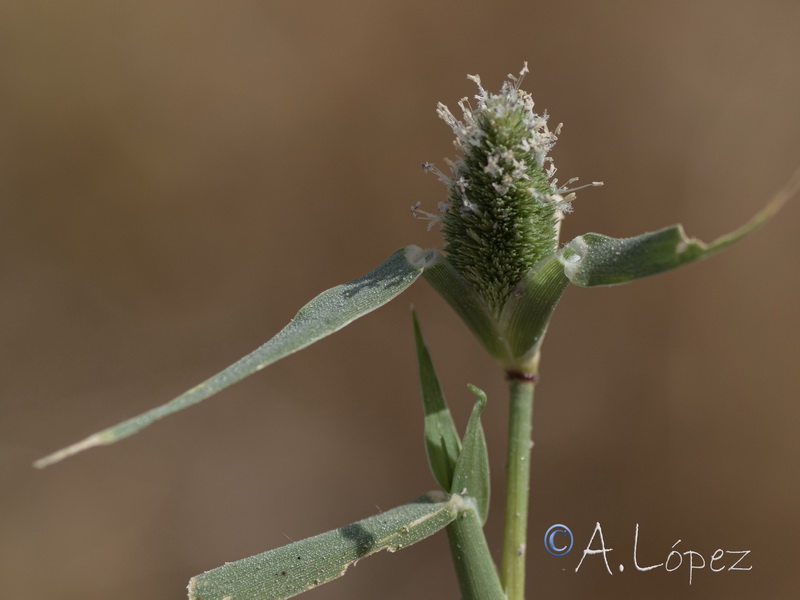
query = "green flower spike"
{"x": 503, "y": 272}
{"x": 504, "y": 206}
{"x": 502, "y": 219}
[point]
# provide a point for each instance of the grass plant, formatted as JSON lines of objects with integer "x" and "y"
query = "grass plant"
{"x": 503, "y": 270}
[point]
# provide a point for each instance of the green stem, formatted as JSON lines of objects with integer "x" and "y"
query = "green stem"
{"x": 515, "y": 531}
{"x": 477, "y": 574}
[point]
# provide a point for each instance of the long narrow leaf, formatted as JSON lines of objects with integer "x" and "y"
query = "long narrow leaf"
{"x": 441, "y": 437}
{"x": 301, "y": 566}
{"x": 594, "y": 259}
{"x": 477, "y": 574}
{"x": 324, "y": 315}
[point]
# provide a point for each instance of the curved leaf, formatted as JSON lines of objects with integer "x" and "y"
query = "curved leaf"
{"x": 471, "y": 475}
{"x": 327, "y": 313}
{"x": 467, "y": 303}
{"x": 528, "y": 310}
{"x": 594, "y": 259}
{"x": 442, "y": 443}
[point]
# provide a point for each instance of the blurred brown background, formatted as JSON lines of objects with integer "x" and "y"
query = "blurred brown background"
{"x": 177, "y": 178}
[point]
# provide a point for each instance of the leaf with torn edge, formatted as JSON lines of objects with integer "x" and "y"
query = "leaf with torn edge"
{"x": 327, "y": 313}
{"x": 301, "y": 566}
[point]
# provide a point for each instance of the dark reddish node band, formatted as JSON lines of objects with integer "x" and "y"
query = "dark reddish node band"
{"x": 517, "y": 376}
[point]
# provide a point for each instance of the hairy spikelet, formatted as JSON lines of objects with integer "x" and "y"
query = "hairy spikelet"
{"x": 504, "y": 206}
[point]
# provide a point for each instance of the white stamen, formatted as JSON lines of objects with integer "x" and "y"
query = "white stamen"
{"x": 429, "y": 167}
{"x": 424, "y": 215}
{"x": 580, "y": 187}
{"x": 518, "y": 79}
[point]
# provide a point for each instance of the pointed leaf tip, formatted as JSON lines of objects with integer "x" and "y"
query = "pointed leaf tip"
{"x": 442, "y": 443}
{"x": 471, "y": 476}
{"x": 594, "y": 259}
{"x": 330, "y": 311}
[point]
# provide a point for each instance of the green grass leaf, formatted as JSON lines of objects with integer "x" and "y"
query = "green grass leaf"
{"x": 528, "y": 310}
{"x": 471, "y": 476}
{"x": 467, "y": 302}
{"x": 442, "y": 442}
{"x": 327, "y": 313}
{"x": 594, "y": 259}
{"x": 304, "y": 565}
{"x": 477, "y": 574}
